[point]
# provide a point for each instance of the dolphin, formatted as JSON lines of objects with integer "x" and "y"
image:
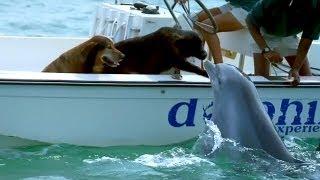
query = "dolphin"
{"x": 239, "y": 113}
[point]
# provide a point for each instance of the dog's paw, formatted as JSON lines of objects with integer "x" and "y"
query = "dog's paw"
{"x": 176, "y": 76}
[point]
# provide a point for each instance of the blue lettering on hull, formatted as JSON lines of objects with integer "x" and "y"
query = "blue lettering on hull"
{"x": 283, "y": 124}
{"x": 172, "y": 116}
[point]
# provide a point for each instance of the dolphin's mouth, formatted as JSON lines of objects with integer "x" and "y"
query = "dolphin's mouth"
{"x": 212, "y": 71}
{"x": 210, "y": 68}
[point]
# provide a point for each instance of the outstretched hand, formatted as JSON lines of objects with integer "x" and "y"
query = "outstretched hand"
{"x": 294, "y": 73}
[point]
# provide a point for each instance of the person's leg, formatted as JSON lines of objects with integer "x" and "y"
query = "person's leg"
{"x": 203, "y": 16}
{"x": 261, "y": 65}
{"x": 225, "y": 22}
{"x": 305, "y": 69}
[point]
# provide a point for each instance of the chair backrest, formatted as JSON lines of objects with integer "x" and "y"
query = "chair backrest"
{"x": 239, "y": 41}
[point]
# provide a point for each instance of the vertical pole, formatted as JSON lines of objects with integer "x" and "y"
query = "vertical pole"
{"x": 241, "y": 61}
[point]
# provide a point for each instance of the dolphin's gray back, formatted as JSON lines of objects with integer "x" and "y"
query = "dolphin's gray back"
{"x": 240, "y": 115}
{"x": 232, "y": 120}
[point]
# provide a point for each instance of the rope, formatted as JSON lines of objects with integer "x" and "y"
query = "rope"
{"x": 274, "y": 65}
{"x": 274, "y": 69}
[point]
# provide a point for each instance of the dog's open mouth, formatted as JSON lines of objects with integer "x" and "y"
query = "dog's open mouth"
{"x": 110, "y": 62}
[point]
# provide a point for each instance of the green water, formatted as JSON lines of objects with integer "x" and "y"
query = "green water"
{"x": 181, "y": 161}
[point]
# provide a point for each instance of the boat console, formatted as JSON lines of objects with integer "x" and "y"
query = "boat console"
{"x": 120, "y": 22}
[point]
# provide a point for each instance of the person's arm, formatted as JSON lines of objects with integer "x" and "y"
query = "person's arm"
{"x": 256, "y": 34}
{"x": 254, "y": 20}
{"x": 254, "y": 30}
{"x": 310, "y": 32}
{"x": 303, "y": 49}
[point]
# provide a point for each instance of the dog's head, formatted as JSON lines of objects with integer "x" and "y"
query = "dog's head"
{"x": 190, "y": 44}
{"x": 186, "y": 43}
{"x": 102, "y": 49}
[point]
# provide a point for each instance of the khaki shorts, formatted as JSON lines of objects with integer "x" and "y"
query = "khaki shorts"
{"x": 285, "y": 46}
{"x": 239, "y": 13}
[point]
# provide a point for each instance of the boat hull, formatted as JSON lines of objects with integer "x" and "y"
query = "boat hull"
{"x": 101, "y": 115}
{"x": 151, "y": 111}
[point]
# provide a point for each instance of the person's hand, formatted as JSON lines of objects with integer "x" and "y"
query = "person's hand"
{"x": 294, "y": 73}
{"x": 272, "y": 56}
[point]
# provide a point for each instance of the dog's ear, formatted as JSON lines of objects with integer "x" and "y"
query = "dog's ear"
{"x": 88, "y": 48}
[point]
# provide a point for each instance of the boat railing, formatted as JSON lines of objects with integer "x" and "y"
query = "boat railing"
{"x": 213, "y": 29}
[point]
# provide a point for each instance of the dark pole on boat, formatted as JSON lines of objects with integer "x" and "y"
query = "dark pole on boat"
{"x": 172, "y": 14}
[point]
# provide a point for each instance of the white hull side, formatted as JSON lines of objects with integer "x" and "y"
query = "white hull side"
{"x": 97, "y": 116}
{"x": 134, "y": 115}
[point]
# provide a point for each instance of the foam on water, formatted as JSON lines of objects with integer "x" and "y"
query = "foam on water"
{"x": 173, "y": 158}
{"x": 46, "y": 178}
{"x": 100, "y": 160}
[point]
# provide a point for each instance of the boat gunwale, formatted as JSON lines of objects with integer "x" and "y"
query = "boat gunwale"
{"x": 258, "y": 84}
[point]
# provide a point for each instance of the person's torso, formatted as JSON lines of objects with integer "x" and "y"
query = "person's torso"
{"x": 288, "y": 17}
{"x": 244, "y": 4}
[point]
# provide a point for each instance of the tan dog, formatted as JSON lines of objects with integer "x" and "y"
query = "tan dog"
{"x": 89, "y": 57}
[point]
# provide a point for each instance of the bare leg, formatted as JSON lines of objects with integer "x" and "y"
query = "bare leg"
{"x": 261, "y": 65}
{"x": 225, "y": 22}
{"x": 203, "y": 16}
{"x": 304, "y": 70}
{"x": 214, "y": 46}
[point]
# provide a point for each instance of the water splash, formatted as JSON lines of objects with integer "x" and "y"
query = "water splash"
{"x": 240, "y": 160}
{"x": 209, "y": 140}
{"x": 101, "y": 160}
{"x": 173, "y": 158}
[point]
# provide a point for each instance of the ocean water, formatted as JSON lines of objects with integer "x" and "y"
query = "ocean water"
{"x": 206, "y": 157}
{"x": 52, "y": 17}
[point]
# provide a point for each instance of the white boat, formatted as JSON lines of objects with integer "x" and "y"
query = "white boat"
{"x": 113, "y": 110}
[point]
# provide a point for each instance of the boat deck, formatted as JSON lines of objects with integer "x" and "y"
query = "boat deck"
{"x": 18, "y": 77}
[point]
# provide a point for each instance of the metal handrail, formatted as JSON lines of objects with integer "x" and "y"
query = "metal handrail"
{"x": 210, "y": 29}
{"x": 170, "y": 9}
{"x": 213, "y": 22}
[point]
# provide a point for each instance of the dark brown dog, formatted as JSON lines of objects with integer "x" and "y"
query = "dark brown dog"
{"x": 91, "y": 56}
{"x": 159, "y": 51}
